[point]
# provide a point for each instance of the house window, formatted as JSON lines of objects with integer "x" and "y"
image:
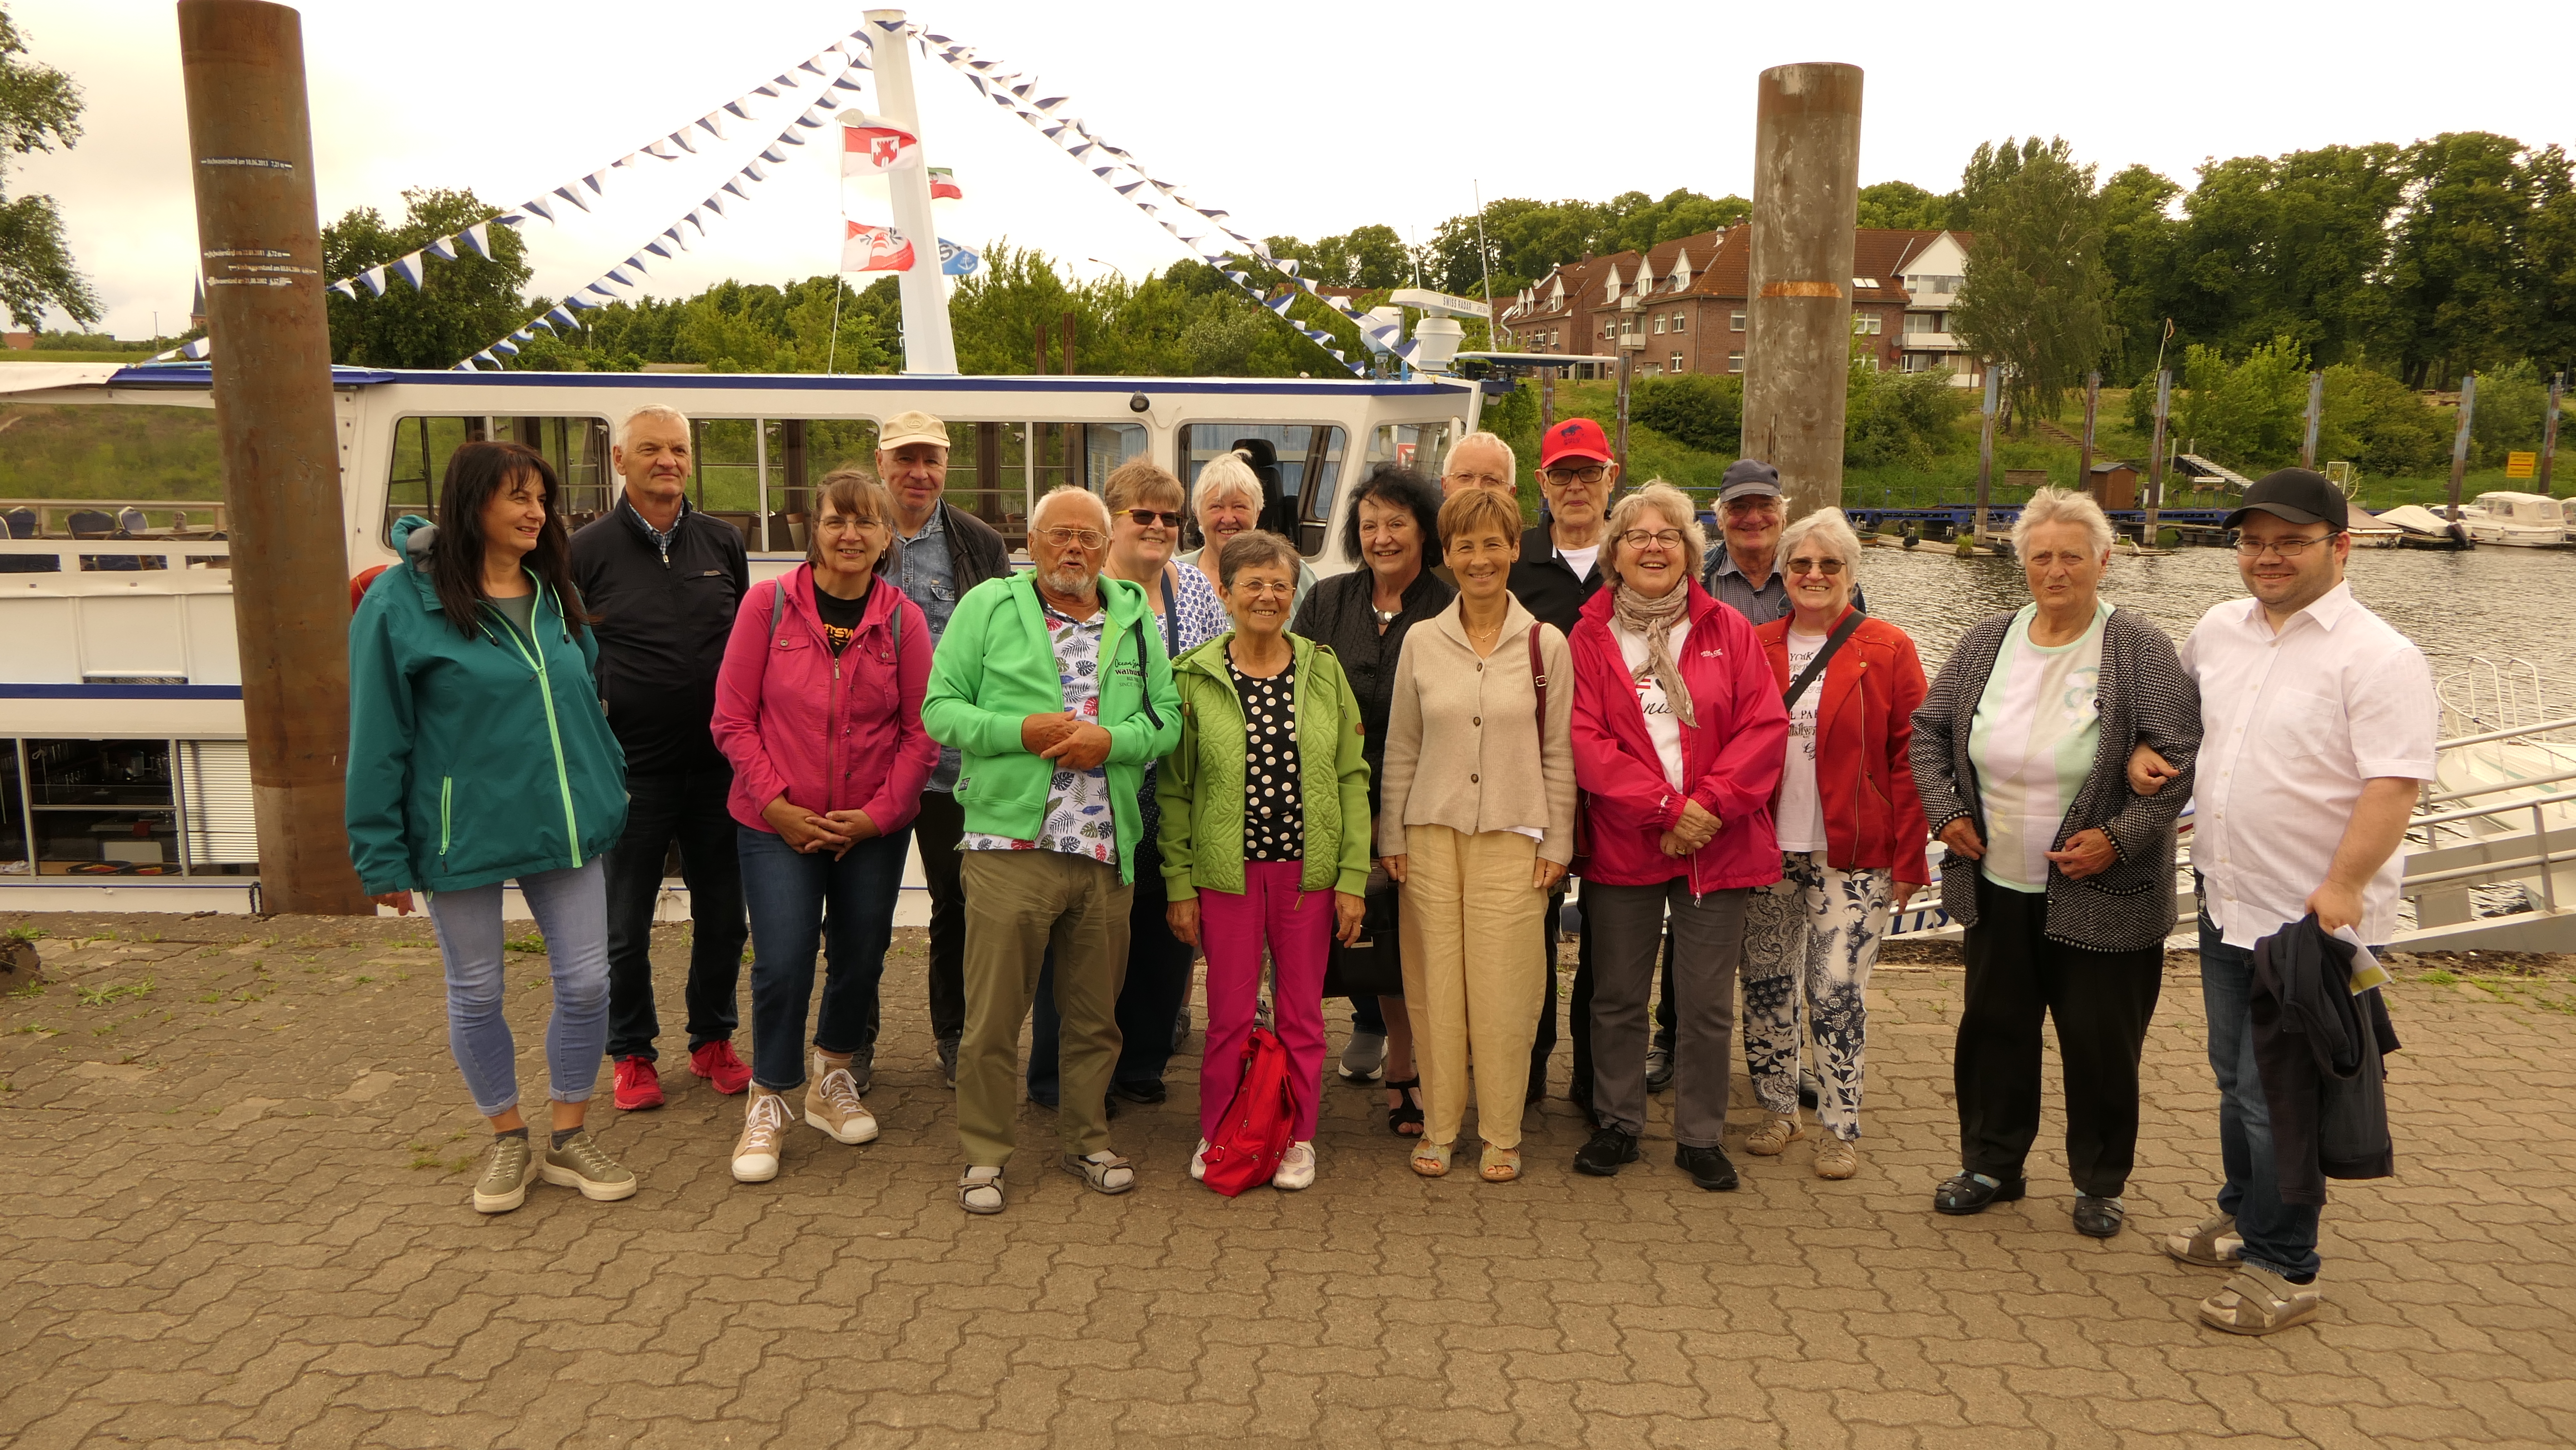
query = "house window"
{"x": 1735, "y": 322}
{"x": 1680, "y": 321}
{"x": 1676, "y": 362}
{"x": 1659, "y": 323}
{"x": 1922, "y": 322}
{"x": 1867, "y": 324}
{"x": 1735, "y": 362}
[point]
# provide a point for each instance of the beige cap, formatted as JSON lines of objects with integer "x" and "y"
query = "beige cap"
{"x": 914, "y": 427}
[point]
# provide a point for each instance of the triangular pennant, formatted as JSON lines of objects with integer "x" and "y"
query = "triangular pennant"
{"x": 657, "y": 249}
{"x": 809, "y": 65}
{"x": 505, "y": 349}
{"x": 733, "y": 186}
{"x": 713, "y": 205}
{"x": 347, "y": 288}
{"x": 541, "y": 207}
{"x": 635, "y": 262}
{"x": 680, "y": 138}
{"x": 753, "y": 170}
{"x": 620, "y": 278}
{"x": 712, "y": 123}
{"x": 407, "y": 268}
{"x": 736, "y": 108}
{"x": 654, "y": 150}
{"x": 772, "y": 156}
{"x": 570, "y": 195}
{"x": 602, "y": 289}
{"x": 692, "y": 219}
{"x": 597, "y": 181}
{"x": 579, "y": 303}
{"x": 558, "y": 317}
{"x": 441, "y": 250}
{"x": 844, "y": 83}
{"x": 479, "y": 237}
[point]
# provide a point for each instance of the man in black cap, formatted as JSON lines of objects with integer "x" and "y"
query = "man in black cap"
{"x": 1745, "y": 572}
{"x": 2318, "y": 724}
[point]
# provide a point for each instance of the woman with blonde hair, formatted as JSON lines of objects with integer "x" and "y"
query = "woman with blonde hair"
{"x": 1227, "y": 501}
{"x": 1476, "y": 822}
{"x": 1677, "y": 731}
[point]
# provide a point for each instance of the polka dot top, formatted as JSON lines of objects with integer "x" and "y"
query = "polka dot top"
{"x": 1274, "y": 817}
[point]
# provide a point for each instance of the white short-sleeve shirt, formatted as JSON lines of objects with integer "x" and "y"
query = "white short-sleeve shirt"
{"x": 2292, "y": 725}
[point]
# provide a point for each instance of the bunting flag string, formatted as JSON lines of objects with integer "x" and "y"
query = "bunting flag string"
{"x": 850, "y": 51}
{"x": 602, "y": 290}
{"x": 1196, "y": 228}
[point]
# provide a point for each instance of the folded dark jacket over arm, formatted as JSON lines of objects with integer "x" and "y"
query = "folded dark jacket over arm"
{"x": 2319, "y": 1049}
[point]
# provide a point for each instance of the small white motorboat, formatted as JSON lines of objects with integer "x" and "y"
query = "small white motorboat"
{"x": 2516, "y": 520}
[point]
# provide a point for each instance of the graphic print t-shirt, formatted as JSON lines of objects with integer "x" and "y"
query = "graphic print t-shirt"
{"x": 2032, "y": 742}
{"x": 1078, "y": 819}
{"x": 841, "y": 617}
{"x": 1802, "y": 808}
{"x": 1663, "y": 727}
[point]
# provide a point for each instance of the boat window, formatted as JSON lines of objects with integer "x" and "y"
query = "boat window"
{"x": 102, "y": 807}
{"x": 577, "y": 447}
{"x": 1303, "y": 461}
{"x": 75, "y": 471}
{"x": 1424, "y": 448}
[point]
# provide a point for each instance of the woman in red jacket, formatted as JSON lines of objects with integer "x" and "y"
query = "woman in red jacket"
{"x": 1677, "y": 740}
{"x": 819, "y": 709}
{"x": 1851, "y": 840}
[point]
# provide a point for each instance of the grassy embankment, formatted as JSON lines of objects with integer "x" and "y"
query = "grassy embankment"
{"x": 1951, "y": 477}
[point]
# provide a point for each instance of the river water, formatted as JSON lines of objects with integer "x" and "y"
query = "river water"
{"x": 2454, "y": 606}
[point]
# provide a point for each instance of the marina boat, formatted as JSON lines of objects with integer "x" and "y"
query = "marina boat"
{"x": 124, "y": 772}
{"x": 2516, "y": 520}
{"x": 2420, "y": 528}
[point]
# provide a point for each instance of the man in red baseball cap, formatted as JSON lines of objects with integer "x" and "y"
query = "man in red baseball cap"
{"x": 1558, "y": 571}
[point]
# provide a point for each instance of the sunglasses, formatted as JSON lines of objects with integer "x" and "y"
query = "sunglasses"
{"x": 1149, "y": 517}
{"x": 1827, "y": 567}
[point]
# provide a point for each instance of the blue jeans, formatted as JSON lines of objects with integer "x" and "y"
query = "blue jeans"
{"x": 800, "y": 902}
{"x": 2279, "y": 1236}
{"x": 571, "y": 907}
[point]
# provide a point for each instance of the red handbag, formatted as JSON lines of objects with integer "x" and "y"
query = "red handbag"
{"x": 1253, "y": 1135}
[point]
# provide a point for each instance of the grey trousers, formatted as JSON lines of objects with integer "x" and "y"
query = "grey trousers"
{"x": 1627, "y": 925}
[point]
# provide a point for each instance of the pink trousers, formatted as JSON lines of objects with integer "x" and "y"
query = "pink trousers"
{"x": 1299, "y": 927}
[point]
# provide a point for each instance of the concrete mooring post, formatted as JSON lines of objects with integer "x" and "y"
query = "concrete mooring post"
{"x": 2549, "y": 430}
{"x": 1806, "y": 198}
{"x": 2092, "y": 422}
{"x": 1985, "y": 455}
{"x": 2156, "y": 457}
{"x": 2316, "y": 419}
{"x": 259, "y": 241}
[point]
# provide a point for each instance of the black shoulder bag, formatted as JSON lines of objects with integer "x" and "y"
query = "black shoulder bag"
{"x": 1816, "y": 667}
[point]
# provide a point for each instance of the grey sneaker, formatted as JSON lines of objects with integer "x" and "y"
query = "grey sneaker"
{"x": 506, "y": 1176}
{"x": 581, "y": 1163}
{"x": 1365, "y": 1057}
{"x": 1659, "y": 1069}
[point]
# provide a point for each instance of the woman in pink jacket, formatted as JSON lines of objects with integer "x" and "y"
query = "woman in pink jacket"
{"x": 819, "y": 709}
{"x": 1678, "y": 733}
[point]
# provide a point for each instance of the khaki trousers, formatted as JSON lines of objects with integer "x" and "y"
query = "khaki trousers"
{"x": 1019, "y": 904}
{"x": 1471, "y": 983}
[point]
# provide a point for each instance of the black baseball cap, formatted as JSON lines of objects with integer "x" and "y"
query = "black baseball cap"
{"x": 2300, "y": 495}
{"x": 1747, "y": 477}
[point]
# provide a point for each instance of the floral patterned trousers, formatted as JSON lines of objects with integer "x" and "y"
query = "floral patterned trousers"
{"x": 1809, "y": 942}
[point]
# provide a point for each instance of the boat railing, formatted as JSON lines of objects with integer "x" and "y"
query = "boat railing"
{"x": 2507, "y": 853}
{"x": 113, "y": 555}
{"x": 2484, "y": 695}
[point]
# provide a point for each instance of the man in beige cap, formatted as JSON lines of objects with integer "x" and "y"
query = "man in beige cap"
{"x": 944, "y": 551}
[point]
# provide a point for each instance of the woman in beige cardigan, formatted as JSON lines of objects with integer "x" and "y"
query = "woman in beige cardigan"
{"x": 1476, "y": 820}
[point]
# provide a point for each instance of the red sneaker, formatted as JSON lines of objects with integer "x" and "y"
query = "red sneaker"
{"x": 716, "y": 1062}
{"x": 638, "y": 1085}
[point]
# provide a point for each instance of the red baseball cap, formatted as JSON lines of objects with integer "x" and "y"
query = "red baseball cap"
{"x": 1574, "y": 438}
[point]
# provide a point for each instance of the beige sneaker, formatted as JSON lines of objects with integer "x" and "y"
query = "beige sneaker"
{"x": 1836, "y": 1158}
{"x": 1773, "y": 1136}
{"x": 581, "y": 1163}
{"x": 832, "y": 1106}
{"x": 764, "y": 1123}
{"x": 506, "y": 1175}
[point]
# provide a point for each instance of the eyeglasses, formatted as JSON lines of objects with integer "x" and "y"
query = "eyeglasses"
{"x": 2288, "y": 549}
{"x": 1260, "y": 587}
{"x": 1588, "y": 473}
{"x": 1149, "y": 517}
{"x": 848, "y": 521}
{"x": 1640, "y": 538}
{"x": 1481, "y": 480}
{"x": 1087, "y": 538}
{"x": 1827, "y": 567}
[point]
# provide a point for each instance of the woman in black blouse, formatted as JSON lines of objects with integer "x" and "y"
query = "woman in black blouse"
{"x": 1362, "y": 616}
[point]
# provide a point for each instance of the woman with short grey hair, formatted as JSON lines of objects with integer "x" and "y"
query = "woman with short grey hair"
{"x": 1226, "y": 502}
{"x": 2063, "y": 878}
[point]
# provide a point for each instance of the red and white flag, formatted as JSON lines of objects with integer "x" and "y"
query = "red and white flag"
{"x": 943, "y": 185}
{"x": 875, "y": 249}
{"x": 871, "y": 145}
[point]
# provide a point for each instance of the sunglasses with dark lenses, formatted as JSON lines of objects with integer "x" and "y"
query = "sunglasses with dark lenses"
{"x": 1155, "y": 516}
{"x": 1826, "y": 567}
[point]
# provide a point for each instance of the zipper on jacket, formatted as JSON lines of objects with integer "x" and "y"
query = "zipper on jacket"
{"x": 554, "y": 733}
{"x": 446, "y": 790}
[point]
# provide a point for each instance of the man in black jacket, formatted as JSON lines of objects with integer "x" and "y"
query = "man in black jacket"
{"x": 944, "y": 551}
{"x": 1558, "y": 570}
{"x": 663, "y": 581}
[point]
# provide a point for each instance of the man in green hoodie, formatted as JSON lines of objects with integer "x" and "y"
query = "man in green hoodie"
{"x": 1054, "y": 688}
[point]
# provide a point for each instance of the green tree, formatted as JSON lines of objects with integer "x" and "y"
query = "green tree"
{"x": 2137, "y": 251}
{"x": 2035, "y": 297}
{"x": 460, "y": 308}
{"x": 2511, "y": 401}
{"x": 2379, "y": 424}
{"x": 40, "y": 107}
{"x": 2286, "y": 246}
{"x": 2250, "y": 415}
{"x": 1700, "y": 410}
{"x": 2455, "y": 267}
{"x": 1903, "y": 206}
{"x": 1899, "y": 419}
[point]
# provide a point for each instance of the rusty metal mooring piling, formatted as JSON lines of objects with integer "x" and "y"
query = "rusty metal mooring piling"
{"x": 250, "y": 143}
{"x": 1806, "y": 200}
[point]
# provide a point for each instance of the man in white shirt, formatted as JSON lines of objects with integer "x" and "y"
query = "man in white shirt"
{"x": 2318, "y": 726}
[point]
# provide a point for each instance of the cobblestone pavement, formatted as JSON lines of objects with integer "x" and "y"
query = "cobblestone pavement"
{"x": 236, "y": 1211}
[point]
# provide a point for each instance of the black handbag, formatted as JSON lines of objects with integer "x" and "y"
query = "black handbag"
{"x": 1373, "y": 966}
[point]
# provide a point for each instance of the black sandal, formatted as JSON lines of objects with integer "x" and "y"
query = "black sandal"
{"x": 1408, "y": 1114}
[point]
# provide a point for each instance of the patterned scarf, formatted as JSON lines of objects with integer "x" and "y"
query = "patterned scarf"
{"x": 1653, "y": 620}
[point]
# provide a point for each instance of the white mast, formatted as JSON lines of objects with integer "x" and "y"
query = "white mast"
{"x": 928, "y": 347}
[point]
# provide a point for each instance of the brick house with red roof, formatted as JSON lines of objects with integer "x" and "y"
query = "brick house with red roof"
{"x": 1683, "y": 303}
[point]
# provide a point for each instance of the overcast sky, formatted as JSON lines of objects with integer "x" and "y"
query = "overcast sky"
{"x": 1332, "y": 116}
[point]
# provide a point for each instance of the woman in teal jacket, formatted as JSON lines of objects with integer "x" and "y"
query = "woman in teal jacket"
{"x": 1265, "y": 832}
{"x": 478, "y": 754}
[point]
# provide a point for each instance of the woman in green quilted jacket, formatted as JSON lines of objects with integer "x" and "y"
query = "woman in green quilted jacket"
{"x": 1265, "y": 832}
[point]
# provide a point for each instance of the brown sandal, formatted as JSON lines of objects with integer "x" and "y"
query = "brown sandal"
{"x": 1500, "y": 1165}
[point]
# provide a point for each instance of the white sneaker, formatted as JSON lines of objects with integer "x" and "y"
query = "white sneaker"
{"x": 1296, "y": 1168}
{"x": 764, "y": 1123}
{"x": 1198, "y": 1163}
